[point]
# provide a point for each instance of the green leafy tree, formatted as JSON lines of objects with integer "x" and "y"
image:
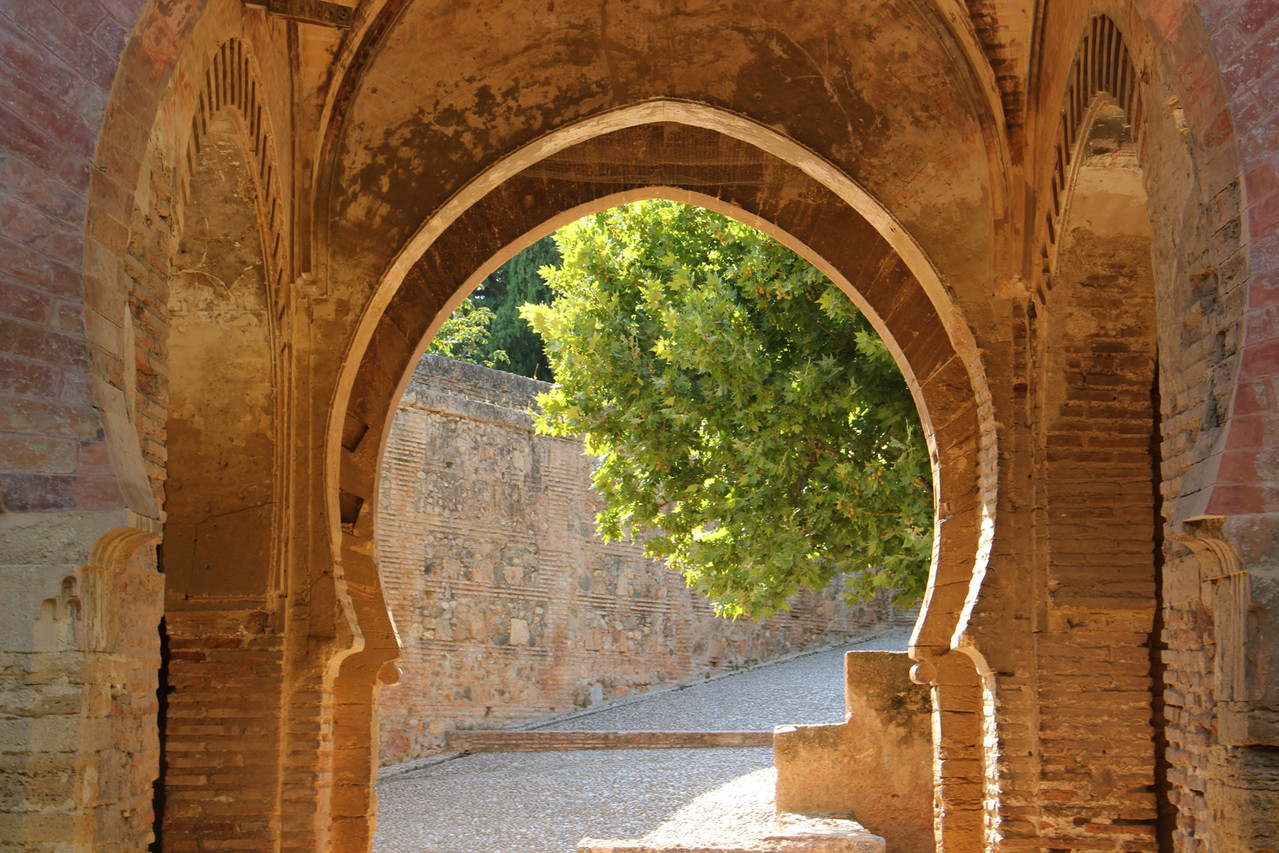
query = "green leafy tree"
{"x": 487, "y": 327}
{"x": 514, "y": 284}
{"x": 751, "y": 428}
{"x": 465, "y": 336}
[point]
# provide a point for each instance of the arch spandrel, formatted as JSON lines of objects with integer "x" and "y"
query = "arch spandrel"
{"x": 414, "y": 129}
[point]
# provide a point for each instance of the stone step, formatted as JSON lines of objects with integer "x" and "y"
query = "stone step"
{"x": 539, "y": 741}
{"x": 795, "y": 834}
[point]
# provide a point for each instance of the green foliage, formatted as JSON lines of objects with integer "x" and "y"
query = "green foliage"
{"x": 514, "y": 284}
{"x": 465, "y": 336}
{"x": 750, "y": 426}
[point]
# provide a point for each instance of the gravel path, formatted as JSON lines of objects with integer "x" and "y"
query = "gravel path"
{"x": 546, "y": 802}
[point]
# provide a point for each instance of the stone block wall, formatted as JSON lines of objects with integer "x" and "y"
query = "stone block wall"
{"x": 507, "y": 604}
{"x": 876, "y": 767}
{"x": 78, "y": 743}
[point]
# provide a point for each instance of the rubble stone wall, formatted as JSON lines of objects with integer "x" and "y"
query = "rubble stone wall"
{"x": 507, "y": 604}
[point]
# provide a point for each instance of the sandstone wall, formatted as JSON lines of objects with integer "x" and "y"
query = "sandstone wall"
{"x": 507, "y": 604}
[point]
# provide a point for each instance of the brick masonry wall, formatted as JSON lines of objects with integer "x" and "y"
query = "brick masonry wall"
{"x": 57, "y": 66}
{"x": 222, "y": 730}
{"x": 507, "y": 604}
{"x": 1219, "y": 604}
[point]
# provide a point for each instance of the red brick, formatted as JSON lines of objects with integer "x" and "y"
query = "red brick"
{"x": 1253, "y": 17}
{"x": 27, "y": 226}
{"x": 25, "y": 182}
{"x": 1258, "y": 58}
{"x": 24, "y": 378}
{"x": 1264, "y": 254}
{"x": 72, "y": 167}
{"x": 111, "y": 35}
{"x": 36, "y": 492}
{"x": 1263, "y": 137}
{"x": 41, "y": 344}
{"x": 1247, "y": 432}
{"x": 1260, "y": 360}
{"x": 1260, "y": 182}
{"x": 1238, "y": 466}
{"x": 51, "y": 275}
{"x": 1262, "y": 324}
{"x": 1263, "y": 213}
{"x": 33, "y": 62}
{"x": 24, "y": 303}
{"x": 85, "y": 14}
{"x": 49, "y": 418}
{"x": 62, "y": 126}
{"x": 22, "y": 137}
{"x": 1248, "y": 110}
{"x": 34, "y": 453}
{"x": 124, "y": 11}
{"x": 55, "y": 31}
{"x": 1231, "y": 499}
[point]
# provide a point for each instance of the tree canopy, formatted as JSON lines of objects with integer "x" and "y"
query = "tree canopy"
{"x": 487, "y": 328}
{"x": 465, "y": 336}
{"x": 751, "y": 428}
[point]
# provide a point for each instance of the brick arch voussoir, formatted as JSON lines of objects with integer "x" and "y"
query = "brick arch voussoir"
{"x": 719, "y": 170}
{"x": 142, "y": 82}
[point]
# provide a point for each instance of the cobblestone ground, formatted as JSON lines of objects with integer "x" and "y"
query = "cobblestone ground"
{"x": 546, "y": 802}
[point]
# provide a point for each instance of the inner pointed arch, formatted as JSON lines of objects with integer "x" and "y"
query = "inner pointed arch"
{"x": 729, "y": 164}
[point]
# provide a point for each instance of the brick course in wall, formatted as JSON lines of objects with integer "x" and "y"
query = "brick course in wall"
{"x": 507, "y": 603}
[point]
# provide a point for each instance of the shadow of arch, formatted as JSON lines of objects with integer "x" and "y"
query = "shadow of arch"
{"x": 688, "y": 153}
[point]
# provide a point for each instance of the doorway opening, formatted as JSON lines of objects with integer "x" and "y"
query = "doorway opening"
{"x": 507, "y": 604}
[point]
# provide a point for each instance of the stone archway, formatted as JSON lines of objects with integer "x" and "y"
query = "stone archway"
{"x": 681, "y": 160}
{"x": 1095, "y": 413}
{"x": 1218, "y": 465}
{"x": 193, "y": 401}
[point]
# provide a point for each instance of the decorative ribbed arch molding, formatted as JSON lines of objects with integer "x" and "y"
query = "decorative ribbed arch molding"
{"x": 1102, "y": 66}
{"x": 231, "y": 80}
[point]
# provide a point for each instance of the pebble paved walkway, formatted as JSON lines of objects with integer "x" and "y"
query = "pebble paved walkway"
{"x": 545, "y": 802}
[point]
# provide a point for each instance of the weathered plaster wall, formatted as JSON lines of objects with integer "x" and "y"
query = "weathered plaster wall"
{"x": 507, "y": 603}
